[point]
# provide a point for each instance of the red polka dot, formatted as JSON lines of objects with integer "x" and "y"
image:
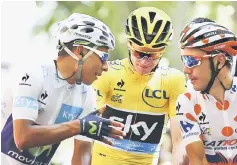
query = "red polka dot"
{"x": 227, "y": 131}
{"x": 235, "y": 118}
{"x": 223, "y": 107}
{"x": 218, "y": 105}
{"x": 188, "y": 95}
{"x": 190, "y": 117}
{"x": 226, "y": 104}
{"x": 197, "y": 109}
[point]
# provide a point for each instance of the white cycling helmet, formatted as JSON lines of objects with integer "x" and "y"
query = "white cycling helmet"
{"x": 84, "y": 27}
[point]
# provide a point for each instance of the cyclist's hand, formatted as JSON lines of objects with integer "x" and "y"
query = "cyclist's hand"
{"x": 95, "y": 127}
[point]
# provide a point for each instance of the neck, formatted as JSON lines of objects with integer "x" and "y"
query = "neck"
{"x": 67, "y": 66}
{"x": 217, "y": 90}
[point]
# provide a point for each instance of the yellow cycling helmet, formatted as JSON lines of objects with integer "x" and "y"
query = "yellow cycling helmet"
{"x": 149, "y": 27}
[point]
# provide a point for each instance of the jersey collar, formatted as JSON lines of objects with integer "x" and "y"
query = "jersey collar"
{"x": 58, "y": 83}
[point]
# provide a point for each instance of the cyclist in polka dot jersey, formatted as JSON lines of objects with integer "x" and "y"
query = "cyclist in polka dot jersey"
{"x": 208, "y": 111}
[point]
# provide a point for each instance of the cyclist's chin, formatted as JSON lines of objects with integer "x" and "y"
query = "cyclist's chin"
{"x": 143, "y": 70}
{"x": 88, "y": 81}
{"x": 199, "y": 87}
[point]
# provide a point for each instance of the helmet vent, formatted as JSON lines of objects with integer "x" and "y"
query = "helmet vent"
{"x": 157, "y": 27}
{"x": 136, "y": 42}
{"x": 144, "y": 25}
{"x": 167, "y": 27}
{"x": 89, "y": 23}
{"x": 127, "y": 31}
{"x": 104, "y": 27}
{"x": 159, "y": 45}
{"x": 112, "y": 42}
{"x": 64, "y": 29}
{"x": 135, "y": 28}
{"x": 103, "y": 38}
{"x": 234, "y": 47}
{"x": 75, "y": 26}
{"x": 152, "y": 16}
{"x": 87, "y": 30}
{"x": 111, "y": 35}
{"x": 105, "y": 34}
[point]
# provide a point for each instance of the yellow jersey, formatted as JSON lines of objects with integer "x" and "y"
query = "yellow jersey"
{"x": 143, "y": 103}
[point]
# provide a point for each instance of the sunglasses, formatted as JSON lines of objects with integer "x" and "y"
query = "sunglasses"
{"x": 103, "y": 55}
{"x": 191, "y": 61}
{"x": 149, "y": 55}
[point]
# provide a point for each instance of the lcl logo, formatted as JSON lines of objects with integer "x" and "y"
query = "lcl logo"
{"x": 155, "y": 98}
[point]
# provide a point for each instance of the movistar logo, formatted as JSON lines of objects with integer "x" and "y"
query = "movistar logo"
{"x": 93, "y": 129}
{"x": 36, "y": 151}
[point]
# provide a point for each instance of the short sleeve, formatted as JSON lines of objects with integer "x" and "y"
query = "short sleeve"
{"x": 190, "y": 129}
{"x": 177, "y": 87}
{"x": 26, "y": 92}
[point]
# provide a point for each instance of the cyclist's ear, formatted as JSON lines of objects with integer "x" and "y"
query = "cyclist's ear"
{"x": 220, "y": 61}
{"x": 79, "y": 51}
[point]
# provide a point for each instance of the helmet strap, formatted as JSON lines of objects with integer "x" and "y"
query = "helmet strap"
{"x": 214, "y": 73}
{"x": 80, "y": 63}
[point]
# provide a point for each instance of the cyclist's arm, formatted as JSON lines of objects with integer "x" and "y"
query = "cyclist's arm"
{"x": 28, "y": 135}
{"x": 190, "y": 129}
{"x": 25, "y": 112}
{"x": 196, "y": 153}
{"x": 177, "y": 87}
{"x": 82, "y": 152}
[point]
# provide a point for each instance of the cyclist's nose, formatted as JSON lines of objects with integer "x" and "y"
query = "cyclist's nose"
{"x": 145, "y": 60}
{"x": 105, "y": 67}
{"x": 187, "y": 70}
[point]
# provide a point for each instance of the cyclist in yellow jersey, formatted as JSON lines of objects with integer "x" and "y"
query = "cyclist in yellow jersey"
{"x": 138, "y": 93}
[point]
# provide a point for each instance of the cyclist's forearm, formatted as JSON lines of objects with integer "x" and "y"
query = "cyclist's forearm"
{"x": 82, "y": 152}
{"x": 196, "y": 162}
{"x": 38, "y": 135}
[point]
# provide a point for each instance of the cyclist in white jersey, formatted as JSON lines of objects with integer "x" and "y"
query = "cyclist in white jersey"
{"x": 208, "y": 111}
{"x": 52, "y": 102}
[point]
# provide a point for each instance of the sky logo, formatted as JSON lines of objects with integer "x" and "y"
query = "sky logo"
{"x": 25, "y": 102}
{"x": 186, "y": 126}
{"x": 68, "y": 113}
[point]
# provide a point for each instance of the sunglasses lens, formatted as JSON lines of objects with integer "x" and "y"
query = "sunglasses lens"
{"x": 104, "y": 57}
{"x": 190, "y": 61}
{"x": 141, "y": 55}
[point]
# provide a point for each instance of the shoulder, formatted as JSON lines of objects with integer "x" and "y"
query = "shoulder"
{"x": 117, "y": 65}
{"x": 189, "y": 96}
{"x": 171, "y": 76}
{"x": 31, "y": 72}
{"x": 170, "y": 72}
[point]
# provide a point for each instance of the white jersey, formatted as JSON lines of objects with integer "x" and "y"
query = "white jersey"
{"x": 42, "y": 97}
{"x": 203, "y": 118}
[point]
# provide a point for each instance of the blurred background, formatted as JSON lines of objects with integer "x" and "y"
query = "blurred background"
{"x": 28, "y": 29}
